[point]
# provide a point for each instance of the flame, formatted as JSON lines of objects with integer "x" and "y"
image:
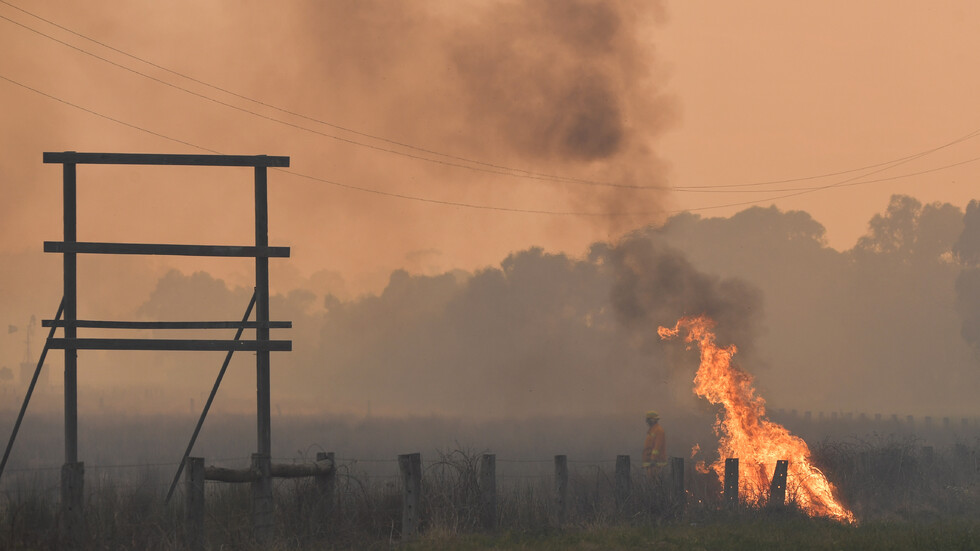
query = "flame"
{"x": 745, "y": 432}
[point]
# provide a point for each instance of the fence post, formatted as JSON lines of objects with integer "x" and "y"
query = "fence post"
{"x": 622, "y": 480}
{"x": 731, "y": 482}
{"x": 72, "y": 491}
{"x": 262, "y": 511}
{"x": 326, "y": 483}
{"x": 561, "y": 486}
{"x": 677, "y": 481}
{"x": 411, "y": 469}
{"x": 777, "y": 491}
{"x": 194, "y": 503}
{"x": 488, "y": 490}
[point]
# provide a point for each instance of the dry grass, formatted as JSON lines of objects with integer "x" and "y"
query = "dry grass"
{"x": 893, "y": 485}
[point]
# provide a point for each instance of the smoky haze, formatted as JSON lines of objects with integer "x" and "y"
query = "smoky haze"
{"x": 561, "y": 88}
{"x": 885, "y": 327}
{"x": 405, "y": 308}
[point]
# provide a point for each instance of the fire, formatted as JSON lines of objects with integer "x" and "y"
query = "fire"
{"x": 745, "y": 432}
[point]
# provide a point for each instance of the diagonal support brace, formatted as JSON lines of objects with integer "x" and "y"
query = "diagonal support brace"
{"x": 30, "y": 389}
{"x": 207, "y": 405}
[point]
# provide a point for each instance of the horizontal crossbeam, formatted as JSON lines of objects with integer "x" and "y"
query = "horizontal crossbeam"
{"x": 99, "y": 324}
{"x": 170, "y": 344}
{"x": 83, "y": 247}
{"x": 277, "y": 470}
{"x": 70, "y": 157}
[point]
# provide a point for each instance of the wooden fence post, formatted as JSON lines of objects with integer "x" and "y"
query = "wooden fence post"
{"x": 326, "y": 483}
{"x": 411, "y": 469}
{"x": 194, "y": 503}
{"x": 677, "y": 480}
{"x": 561, "y": 487}
{"x": 72, "y": 514}
{"x": 488, "y": 490}
{"x": 262, "y": 509}
{"x": 777, "y": 490}
{"x": 622, "y": 491}
{"x": 731, "y": 482}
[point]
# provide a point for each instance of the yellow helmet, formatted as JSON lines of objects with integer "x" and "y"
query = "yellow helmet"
{"x": 652, "y": 415}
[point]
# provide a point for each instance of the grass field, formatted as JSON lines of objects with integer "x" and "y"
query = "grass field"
{"x": 750, "y": 532}
{"x": 905, "y": 495}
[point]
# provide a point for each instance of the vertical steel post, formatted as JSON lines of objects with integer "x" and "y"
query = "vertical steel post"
{"x": 263, "y": 513}
{"x": 72, "y": 472}
{"x": 677, "y": 492}
{"x": 487, "y": 483}
{"x": 326, "y": 484}
{"x": 777, "y": 490}
{"x": 72, "y": 517}
{"x": 410, "y": 466}
{"x": 194, "y": 504}
{"x": 262, "y": 488}
{"x": 624, "y": 485}
{"x": 71, "y": 316}
{"x": 263, "y": 410}
{"x": 561, "y": 487}
{"x": 731, "y": 482}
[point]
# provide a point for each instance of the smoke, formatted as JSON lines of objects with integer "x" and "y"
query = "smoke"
{"x": 539, "y": 334}
{"x": 871, "y": 329}
{"x": 571, "y": 85}
{"x": 875, "y": 329}
{"x": 656, "y": 284}
{"x": 569, "y": 88}
{"x": 559, "y": 80}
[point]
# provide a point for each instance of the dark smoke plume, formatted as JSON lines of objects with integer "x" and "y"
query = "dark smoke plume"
{"x": 570, "y": 83}
{"x": 563, "y": 87}
{"x": 655, "y": 284}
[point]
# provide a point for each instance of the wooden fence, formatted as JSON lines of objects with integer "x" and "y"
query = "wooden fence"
{"x": 411, "y": 475}
{"x": 261, "y": 471}
{"x": 410, "y": 467}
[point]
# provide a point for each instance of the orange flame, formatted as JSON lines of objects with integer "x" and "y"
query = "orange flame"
{"x": 745, "y": 432}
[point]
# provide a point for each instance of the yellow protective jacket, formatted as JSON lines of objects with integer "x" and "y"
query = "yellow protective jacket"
{"x": 655, "y": 447}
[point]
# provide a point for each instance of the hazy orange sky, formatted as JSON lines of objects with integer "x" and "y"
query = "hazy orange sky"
{"x": 681, "y": 95}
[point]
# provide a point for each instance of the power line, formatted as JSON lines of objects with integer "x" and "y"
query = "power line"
{"x": 308, "y": 176}
{"x": 850, "y": 181}
{"x": 294, "y": 113}
{"x": 858, "y": 182}
{"x": 107, "y": 117}
{"x": 494, "y": 168}
{"x": 885, "y": 165}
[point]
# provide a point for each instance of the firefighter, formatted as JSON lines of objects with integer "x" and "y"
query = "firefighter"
{"x": 655, "y": 445}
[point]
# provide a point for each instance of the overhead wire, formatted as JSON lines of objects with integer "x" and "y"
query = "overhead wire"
{"x": 884, "y": 165}
{"x": 299, "y": 174}
{"x": 793, "y": 191}
{"x": 855, "y": 179}
{"x": 107, "y": 117}
{"x": 862, "y": 182}
{"x": 850, "y": 181}
{"x": 500, "y": 171}
{"x": 289, "y": 111}
{"x": 491, "y": 168}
